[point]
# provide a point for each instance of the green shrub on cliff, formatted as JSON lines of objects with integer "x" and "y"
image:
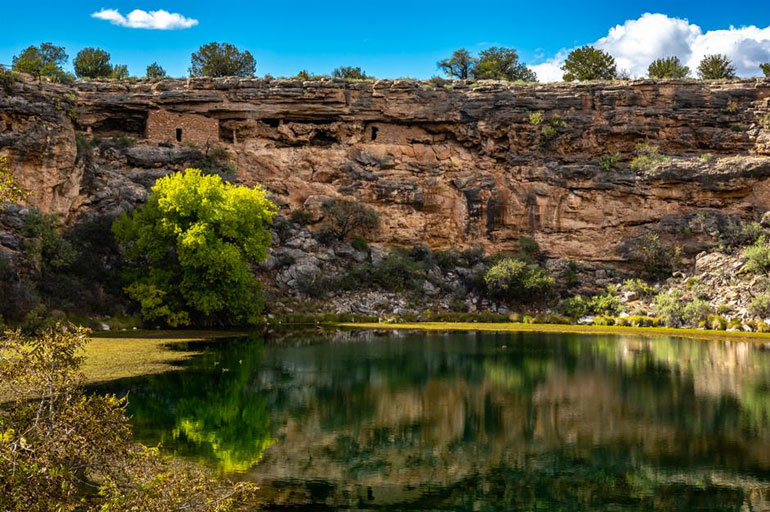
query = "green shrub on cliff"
{"x": 10, "y": 190}
{"x": 765, "y": 69}
{"x": 716, "y": 67}
{"x": 222, "y": 59}
{"x": 589, "y": 63}
{"x": 93, "y": 63}
{"x": 343, "y": 218}
{"x": 189, "y": 250}
{"x": 516, "y": 280}
{"x": 668, "y": 67}
{"x": 758, "y": 256}
{"x": 45, "y": 60}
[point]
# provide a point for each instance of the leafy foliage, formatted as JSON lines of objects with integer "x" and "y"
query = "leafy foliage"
{"x": 589, "y": 63}
{"x": 608, "y": 161}
{"x": 10, "y": 190}
{"x": 765, "y": 69}
{"x": 677, "y": 311}
{"x": 459, "y": 65}
{"x": 350, "y": 73}
{"x": 190, "y": 248}
{"x": 497, "y": 63}
{"x": 45, "y": 60}
{"x": 668, "y": 67}
{"x": 647, "y": 157}
{"x": 343, "y": 218}
{"x": 758, "y": 256}
{"x": 222, "y": 59}
{"x": 93, "y": 63}
{"x": 155, "y": 70}
{"x": 716, "y": 67}
{"x": 656, "y": 257}
{"x": 494, "y": 63}
{"x": 516, "y": 280}
{"x": 63, "y": 450}
{"x": 119, "y": 72}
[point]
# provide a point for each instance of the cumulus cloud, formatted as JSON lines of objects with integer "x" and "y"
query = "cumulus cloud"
{"x": 153, "y": 20}
{"x": 636, "y": 43}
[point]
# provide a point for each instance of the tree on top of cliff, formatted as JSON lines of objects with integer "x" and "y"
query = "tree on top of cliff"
{"x": 45, "y": 60}
{"x": 501, "y": 64}
{"x": 222, "y": 59}
{"x": 670, "y": 67}
{"x": 189, "y": 250}
{"x": 494, "y": 63}
{"x": 765, "y": 69}
{"x": 155, "y": 70}
{"x": 716, "y": 67}
{"x": 459, "y": 65}
{"x": 350, "y": 73}
{"x": 589, "y": 63}
{"x": 93, "y": 63}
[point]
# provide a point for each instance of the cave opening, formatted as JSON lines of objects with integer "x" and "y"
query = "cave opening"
{"x": 374, "y": 132}
{"x": 179, "y": 135}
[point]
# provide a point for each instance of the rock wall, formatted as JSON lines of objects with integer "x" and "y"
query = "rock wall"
{"x": 446, "y": 163}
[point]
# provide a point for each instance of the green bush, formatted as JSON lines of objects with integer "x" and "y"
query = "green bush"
{"x": 668, "y": 67}
{"x": 220, "y": 60}
{"x": 516, "y": 280}
{"x": 638, "y": 286}
{"x": 760, "y": 305}
{"x": 647, "y": 157}
{"x": 343, "y": 218}
{"x": 577, "y": 306}
{"x": 189, "y": 250}
{"x": 604, "y": 320}
{"x": 608, "y": 161}
{"x": 758, "y": 256}
{"x": 93, "y": 63}
{"x": 359, "y": 243}
{"x": 300, "y": 217}
{"x": 715, "y": 67}
{"x": 589, "y": 63}
{"x": 677, "y": 311}
{"x": 657, "y": 257}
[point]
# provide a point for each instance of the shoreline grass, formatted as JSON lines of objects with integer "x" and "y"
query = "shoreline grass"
{"x": 563, "y": 328}
{"x": 112, "y": 355}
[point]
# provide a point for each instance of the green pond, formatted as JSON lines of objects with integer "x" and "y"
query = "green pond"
{"x": 359, "y": 420}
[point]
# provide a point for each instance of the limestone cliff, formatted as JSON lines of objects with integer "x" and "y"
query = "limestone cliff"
{"x": 453, "y": 163}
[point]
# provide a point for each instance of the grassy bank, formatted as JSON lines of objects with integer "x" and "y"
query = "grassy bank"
{"x": 116, "y": 355}
{"x": 562, "y": 328}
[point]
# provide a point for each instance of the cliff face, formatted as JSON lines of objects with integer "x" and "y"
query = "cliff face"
{"x": 445, "y": 164}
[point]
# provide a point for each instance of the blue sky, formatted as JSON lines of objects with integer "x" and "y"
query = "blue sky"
{"x": 388, "y": 39}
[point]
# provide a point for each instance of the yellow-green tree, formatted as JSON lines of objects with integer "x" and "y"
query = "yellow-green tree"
{"x": 190, "y": 248}
{"x": 10, "y": 191}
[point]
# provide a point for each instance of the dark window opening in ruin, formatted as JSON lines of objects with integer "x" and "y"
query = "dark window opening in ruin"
{"x": 272, "y": 123}
{"x": 374, "y": 132}
{"x": 179, "y": 135}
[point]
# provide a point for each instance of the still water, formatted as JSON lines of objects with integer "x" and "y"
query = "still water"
{"x": 472, "y": 421}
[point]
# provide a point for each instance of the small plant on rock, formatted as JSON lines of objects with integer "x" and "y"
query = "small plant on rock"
{"x": 647, "y": 157}
{"x": 608, "y": 161}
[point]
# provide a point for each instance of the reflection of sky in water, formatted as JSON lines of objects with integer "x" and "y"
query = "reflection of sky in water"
{"x": 471, "y": 420}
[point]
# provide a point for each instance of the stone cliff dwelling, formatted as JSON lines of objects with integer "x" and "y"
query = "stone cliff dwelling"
{"x": 165, "y": 126}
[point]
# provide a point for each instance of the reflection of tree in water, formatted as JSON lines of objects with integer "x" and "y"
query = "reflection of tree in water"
{"x": 209, "y": 413}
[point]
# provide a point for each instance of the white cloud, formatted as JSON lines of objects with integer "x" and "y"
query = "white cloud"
{"x": 153, "y": 20}
{"x": 636, "y": 43}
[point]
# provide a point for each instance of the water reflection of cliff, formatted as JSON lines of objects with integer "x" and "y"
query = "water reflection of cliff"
{"x": 403, "y": 420}
{"x": 473, "y": 421}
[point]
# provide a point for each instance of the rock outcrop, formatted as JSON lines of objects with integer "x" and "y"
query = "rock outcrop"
{"x": 446, "y": 163}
